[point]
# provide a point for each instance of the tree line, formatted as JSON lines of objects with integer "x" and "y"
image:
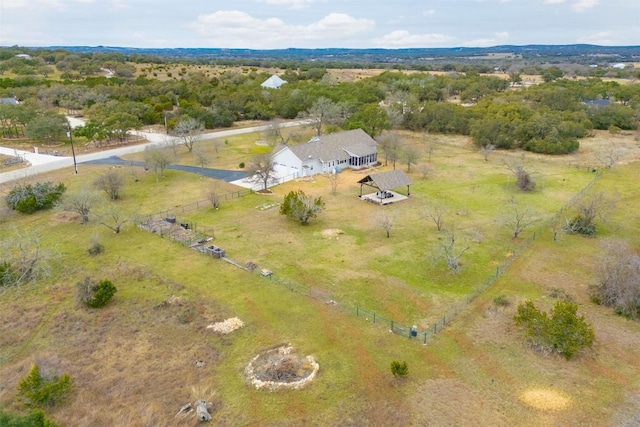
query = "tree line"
{"x": 547, "y": 118}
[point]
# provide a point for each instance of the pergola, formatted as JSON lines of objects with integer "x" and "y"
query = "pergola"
{"x": 386, "y": 181}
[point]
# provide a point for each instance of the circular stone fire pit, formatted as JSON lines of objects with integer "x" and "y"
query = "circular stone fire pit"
{"x": 281, "y": 367}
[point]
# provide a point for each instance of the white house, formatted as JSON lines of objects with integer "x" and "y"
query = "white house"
{"x": 326, "y": 153}
{"x": 273, "y": 82}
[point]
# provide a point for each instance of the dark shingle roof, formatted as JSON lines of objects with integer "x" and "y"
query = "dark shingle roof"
{"x": 336, "y": 146}
{"x": 387, "y": 180}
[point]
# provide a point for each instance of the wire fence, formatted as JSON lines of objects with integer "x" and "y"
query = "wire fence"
{"x": 202, "y": 235}
{"x": 424, "y": 336}
{"x": 193, "y": 206}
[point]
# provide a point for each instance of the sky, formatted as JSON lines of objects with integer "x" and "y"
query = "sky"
{"x": 278, "y": 24}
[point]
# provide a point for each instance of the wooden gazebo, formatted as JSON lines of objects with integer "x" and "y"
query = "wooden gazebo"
{"x": 384, "y": 183}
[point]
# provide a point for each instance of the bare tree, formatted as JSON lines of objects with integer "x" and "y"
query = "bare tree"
{"x": 201, "y": 157}
{"x": 390, "y": 145}
{"x": 610, "y": 156}
{"x": 172, "y": 143}
{"x": 430, "y": 143}
{"x": 519, "y": 220}
{"x": 157, "y": 158}
{"x": 424, "y": 170}
{"x": 590, "y": 208}
{"x": 112, "y": 217}
{"x": 273, "y": 133}
{"x": 435, "y": 212}
{"x": 262, "y": 170}
{"x": 385, "y": 221}
{"x": 410, "y": 156}
{"x": 216, "y": 146}
{"x": 618, "y": 274}
{"x": 188, "y": 129}
{"x": 486, "y": 151}
{"x": 80, "y": 202}
{"x": 450, "y": 251}
{"x": 524, "y": 181}
{"x": 111, "y": 183}
{"x": 134, "y": 172}
{"x": 213, "y": 196}
{"x": 335, "y": 179}
{"x": 22, "y": 258}
{"x": 323, "y": 111}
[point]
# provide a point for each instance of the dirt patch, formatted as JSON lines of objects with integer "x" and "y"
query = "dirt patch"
{"x": 330, "y": 233}
{"x": 546, "y": 399}
{"x": 68, "y": 217}
{"x": 281, "y": 368}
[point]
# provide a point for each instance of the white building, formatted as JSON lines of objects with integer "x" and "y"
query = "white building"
{"x": 273, "y": 82}
{"x": 326, "y": 153}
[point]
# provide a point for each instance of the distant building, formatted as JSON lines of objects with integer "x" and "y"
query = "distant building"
{"x": 9, "y": 101}
{"x": 273, "y": 82}
{"x": 596, "y": 102}
{"x": 23, "y": 56}
{"x": 619, "y": 66}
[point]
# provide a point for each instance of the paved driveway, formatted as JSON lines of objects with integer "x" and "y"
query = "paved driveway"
{"x": 221, "y": 174}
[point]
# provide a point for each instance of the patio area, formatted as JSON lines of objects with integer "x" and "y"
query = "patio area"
{"x": 384, "y": 197}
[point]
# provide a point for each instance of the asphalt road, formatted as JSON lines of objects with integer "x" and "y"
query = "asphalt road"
{"x": 47, "y": 163}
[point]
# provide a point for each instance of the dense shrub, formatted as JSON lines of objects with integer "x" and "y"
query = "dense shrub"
{"x": 95, "y": 247}
{"x": 552, "y": 146}
{"x": 39, "y": 391}
{"x": 8, "y": 275}
{"x": 35, "y": 418}
{"x": 31, "y": 198}
{"x": 563, "y": 332}
{"x": 300, "y": 207}
{"x": 501, "y": 301}
{"x": 580, "y": 225}
{"x": 523, "y": 180}
{"x": 399, "y": 369}
{"x": 95, "y": 294}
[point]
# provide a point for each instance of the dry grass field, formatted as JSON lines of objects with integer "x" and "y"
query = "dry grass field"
{"x": 133, "y": 362}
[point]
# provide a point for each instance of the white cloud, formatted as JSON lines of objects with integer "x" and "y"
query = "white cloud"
{"x": 497, "y": 39}
{"x": 120, "y": 4}
{"x": 233, "y": 28}
{"x": 402, "y": 38}
{"x": 429, "y": 12}
{"x": 30, "y": 4}
{"x": 293, "y": 4}
{"x": 583, "y": 5}
{"x": 604, "y": 38}
{"x": 553, "y": 1}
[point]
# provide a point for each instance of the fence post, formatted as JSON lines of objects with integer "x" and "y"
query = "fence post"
{"x": 374, "y": 318}
{"x": 435, "y": 328}
{"x": 357, "y": 311}
{"x": 392, "y": 326}
{"x": 425, "y": 338}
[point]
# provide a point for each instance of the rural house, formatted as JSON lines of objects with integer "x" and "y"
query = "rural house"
{"x": 326, "y": 153}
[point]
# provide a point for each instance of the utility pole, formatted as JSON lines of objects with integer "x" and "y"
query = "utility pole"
{"x": 73, "y": 151}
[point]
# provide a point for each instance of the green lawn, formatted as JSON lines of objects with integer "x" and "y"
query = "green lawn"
{"x": 133, "y": 362}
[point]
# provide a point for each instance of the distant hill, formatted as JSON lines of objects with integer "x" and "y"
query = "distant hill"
{"x": 583, "y": 51}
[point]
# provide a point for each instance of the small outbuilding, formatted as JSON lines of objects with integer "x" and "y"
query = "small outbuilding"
{"x": 273, "y": 82}
{"x": 384, "y": 183}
